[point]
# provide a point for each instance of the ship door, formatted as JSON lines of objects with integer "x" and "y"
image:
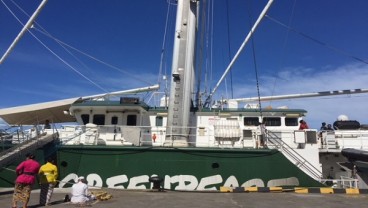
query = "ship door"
{"x": 131, "y": 120}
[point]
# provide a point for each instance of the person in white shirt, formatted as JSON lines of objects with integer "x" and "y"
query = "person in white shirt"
{"x": 80, "y": 193}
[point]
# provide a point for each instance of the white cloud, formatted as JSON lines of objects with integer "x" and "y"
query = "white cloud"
{"x": 306, "y": 80}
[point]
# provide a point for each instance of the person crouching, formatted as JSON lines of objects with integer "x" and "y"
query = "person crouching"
{"x": 80, "y": 194}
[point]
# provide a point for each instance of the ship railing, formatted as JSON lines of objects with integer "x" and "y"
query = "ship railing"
{"x": 128, "y": 135}
{"x": 156, "y": 136}
{"x": 194, "y": 137}
{"x": 335, "y": 141}
{"x": 343, "y": 182}
{"x": 165, "y": 136}
{"x": 24, "y": 133}
{"x": 300, "y": 161}
{"x": 71, "y": 133}
{"x": 27, "y": 146}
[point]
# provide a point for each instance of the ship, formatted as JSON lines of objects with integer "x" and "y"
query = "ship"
{"x": 186, "y": 142}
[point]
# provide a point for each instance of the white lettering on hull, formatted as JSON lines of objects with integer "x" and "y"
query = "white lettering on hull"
{"x": 177, "y": 182}
{"x": 184, "y": 182}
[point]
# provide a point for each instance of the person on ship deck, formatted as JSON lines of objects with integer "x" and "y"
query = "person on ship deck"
{"x": 329, "y": 127}
{"x": 303, "y": 125}
{"x": 323, "y": 127}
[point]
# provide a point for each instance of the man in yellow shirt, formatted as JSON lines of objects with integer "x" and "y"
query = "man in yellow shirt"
{"x": 48, "y": 174}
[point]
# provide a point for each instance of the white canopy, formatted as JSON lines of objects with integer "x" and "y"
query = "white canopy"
{"x": 54, "y": 110}
{"x": 38, "y": 113}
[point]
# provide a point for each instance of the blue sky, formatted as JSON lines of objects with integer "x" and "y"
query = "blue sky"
{"x": 129, "y": 35}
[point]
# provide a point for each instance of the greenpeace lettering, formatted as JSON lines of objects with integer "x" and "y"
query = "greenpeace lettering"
{"x": 231, "y": 182}
{"x": 69, "y": 179}
{"x": 135, "y": 181}
{"x": 206, "y": 182}
{"x": 254, "y": 182}
{"x": 184, "y": 182}
{"x": 94, "y": 180}
{"x": 114, "y": 182}
{"x": 177, "y": 182}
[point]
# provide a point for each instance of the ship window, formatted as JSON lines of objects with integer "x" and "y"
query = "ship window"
{"x": 251, "y": 121}
{"x": 85, "y": 118}
{"x": 131, "y": 120}
{"x": 159, "y": 120}
{"x": 99, "y": 119}
{"x": 291, "y": 121}
{"x": 114, "y": 120}
{"x": 247, "y": 135}
{"x": 272, "y": 121}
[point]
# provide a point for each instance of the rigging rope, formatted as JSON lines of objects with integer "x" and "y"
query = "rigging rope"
{"x": 209, "y": 45}
{"x": 97, "y": 60}
{"x": 51, "y": 51}
{"x": 200, "y": 54}
{"x": 256, "y": 69}
{"x": 64, "y": 45}
{"x": 283, "y": 48}
{"x": 164, "y": 46}
{"x": 317, "y": 41}
{"x": 229, "y": 46}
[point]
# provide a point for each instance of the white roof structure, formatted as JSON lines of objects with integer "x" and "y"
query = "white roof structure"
{"x": 55, "y": 111}
{"x": 38, "y": 113}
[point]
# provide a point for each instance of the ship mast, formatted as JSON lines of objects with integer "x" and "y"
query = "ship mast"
{"x": 234, "y": 102}
{"x": 24, "y": 30}
{"x": 182, "y": 82}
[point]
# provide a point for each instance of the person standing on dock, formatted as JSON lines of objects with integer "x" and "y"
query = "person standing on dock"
{"x": 48, "y": 174}
{"x": 26, "y": 177}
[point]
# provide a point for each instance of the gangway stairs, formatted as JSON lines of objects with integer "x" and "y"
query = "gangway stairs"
{"x": 274, "y": 140}
{"x": 20, "y": 150}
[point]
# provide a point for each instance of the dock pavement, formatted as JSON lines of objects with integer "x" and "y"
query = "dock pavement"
{"x": 184, "y": 199}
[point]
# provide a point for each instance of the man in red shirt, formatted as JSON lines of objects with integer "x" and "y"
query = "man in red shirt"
{"x": 26, "y": 177}
{"x": 303, "y": 125}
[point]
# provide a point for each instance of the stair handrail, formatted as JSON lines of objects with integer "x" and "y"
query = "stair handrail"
{"x": 300, "y": 160}
{"x": 19, "y": 151}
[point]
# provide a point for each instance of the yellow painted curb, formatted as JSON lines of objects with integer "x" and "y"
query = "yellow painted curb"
{"x": 299, "y": 190}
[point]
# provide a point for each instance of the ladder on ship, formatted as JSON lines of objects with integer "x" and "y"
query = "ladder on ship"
{"x": 330, "y": 141}
{"x": 20, "y": 150}
{"x": 297, "y": 159}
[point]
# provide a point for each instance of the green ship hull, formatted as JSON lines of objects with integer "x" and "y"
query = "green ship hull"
{"x": 180, "y": 168}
